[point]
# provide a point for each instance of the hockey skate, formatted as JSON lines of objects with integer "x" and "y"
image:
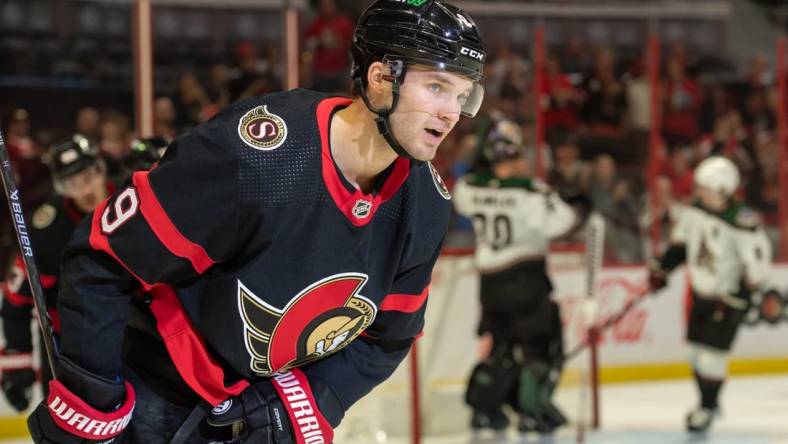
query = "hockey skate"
{"x": 535, "y": 423}
{"x": 495, "y": 420}
{"x": 700, "y": 419}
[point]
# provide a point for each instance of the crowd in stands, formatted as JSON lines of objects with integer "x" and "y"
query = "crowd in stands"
{"x": 596, "y": 106}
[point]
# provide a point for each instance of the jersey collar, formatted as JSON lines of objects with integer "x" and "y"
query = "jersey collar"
{"x": 358, "y": 208}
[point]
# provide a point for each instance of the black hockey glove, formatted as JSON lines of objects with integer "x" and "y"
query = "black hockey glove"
{"x": 257, "y": 415}
{"x": 17, "y": 378}
{"x": 264, "y": 414}
{"x": 65, "y": 418}
{"x": 657, "y": 277}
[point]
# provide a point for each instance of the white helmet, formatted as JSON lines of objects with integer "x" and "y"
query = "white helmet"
{"x": 718, "y": 174}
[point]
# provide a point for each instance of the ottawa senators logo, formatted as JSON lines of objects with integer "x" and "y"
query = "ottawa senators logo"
{"x": 262, "y": 130}
{"x": 320, "y": 320}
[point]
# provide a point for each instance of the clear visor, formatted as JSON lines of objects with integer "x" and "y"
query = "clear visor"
{"x": 474, "y": 100}
{"x": 468, "y": 101}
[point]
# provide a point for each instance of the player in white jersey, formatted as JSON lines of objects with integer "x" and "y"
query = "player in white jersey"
{"x": 514, "y": 217}
{"x": 728, "y": 256}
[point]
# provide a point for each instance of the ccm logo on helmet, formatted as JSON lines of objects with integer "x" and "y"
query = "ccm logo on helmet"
{"x": 472, "y": 53}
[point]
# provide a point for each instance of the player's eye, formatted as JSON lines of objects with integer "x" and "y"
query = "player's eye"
{"x": 436, "y": 88}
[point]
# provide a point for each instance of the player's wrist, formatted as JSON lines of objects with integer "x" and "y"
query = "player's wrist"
{"x": 82, "y": 406}
{"x": 297, "y": 399}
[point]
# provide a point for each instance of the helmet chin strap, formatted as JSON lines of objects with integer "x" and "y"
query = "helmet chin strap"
{"x": 382, "y": 119}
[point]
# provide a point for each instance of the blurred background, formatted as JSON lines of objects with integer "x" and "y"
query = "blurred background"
{"x": 618, "y": 100}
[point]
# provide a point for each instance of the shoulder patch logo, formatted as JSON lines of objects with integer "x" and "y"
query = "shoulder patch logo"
{"x": 439, "y": 183}
{"x": 44, "y": 216}
{"x": 748, "y": 218}
{"x": 262, "y": 130}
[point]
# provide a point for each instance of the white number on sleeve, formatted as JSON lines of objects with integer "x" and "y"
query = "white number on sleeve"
{"x": 126, "y": 205}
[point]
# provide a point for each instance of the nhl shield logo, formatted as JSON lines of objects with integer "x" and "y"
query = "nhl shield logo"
{"x": 362, "y": 208}
{"x": 439, "y": 183}
{"x": 320, "y": 320}
{"x": 262, "y": 130}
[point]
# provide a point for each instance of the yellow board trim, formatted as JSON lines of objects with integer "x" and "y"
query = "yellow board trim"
{"x": 657, "y": 372}
{"x": 13, "y": 427}
{"x": 661, "y": 372}
{"x": 16, "y": 427}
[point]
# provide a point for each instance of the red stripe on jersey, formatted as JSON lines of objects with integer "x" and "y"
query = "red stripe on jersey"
{"x": 99, "y": 241}
{"x": 47, "y": 280}
{"x": 346, "y": 201}
{"x": 16, "y": 299}
{"x": 54, "y": 317}
{"x": 408, "y": 303}
{"x": 165, "y": 230}
{"x": 187, "y": 348}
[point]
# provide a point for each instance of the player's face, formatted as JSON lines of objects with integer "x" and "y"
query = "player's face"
{"x": 711, "y": 199}
{"x": 86, "y": 187}
{"x": 517, "y": 167}
{"x": 429, "y": 107}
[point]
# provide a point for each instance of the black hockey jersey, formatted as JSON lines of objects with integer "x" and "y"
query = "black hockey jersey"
{"x": 259, "y": 257}
{"x": 52, "y": 225}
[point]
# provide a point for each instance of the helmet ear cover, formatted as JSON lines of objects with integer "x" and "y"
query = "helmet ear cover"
{"x": 402, "y": 33}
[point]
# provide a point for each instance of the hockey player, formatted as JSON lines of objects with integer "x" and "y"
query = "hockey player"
{"x": 144, "y": 153}
{"x": 514, "y": 216}
{"x": 728, "y": 256}
{"x": 80, "y": 180}
{"x": 281, "y": 252}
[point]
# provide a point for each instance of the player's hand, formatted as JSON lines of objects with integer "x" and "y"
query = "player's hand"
{"x": 18, "y": 387}
{"x": 262, "y": 414}
{"x": 69, "y": 418}
{"x": 255, "y": 416}
{"x": 17, "y": 377}
{"x": 485, "y": 345}
{"x": 657, "y": 278}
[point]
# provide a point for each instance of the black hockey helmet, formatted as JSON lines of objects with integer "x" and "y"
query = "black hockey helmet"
{"x": 70, "y": 156}
{"x": 143, "y": 153}
{"x": 425, "y": 32}
{"x": 503, "y": 141}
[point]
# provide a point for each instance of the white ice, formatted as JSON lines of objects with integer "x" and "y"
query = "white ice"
{"x": 754, "y": 411}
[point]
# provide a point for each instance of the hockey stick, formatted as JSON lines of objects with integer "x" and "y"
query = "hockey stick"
{"x": 20, "y": 227}
{"x": 609, "y": 322}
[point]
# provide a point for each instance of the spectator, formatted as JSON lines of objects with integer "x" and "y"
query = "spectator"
{"x": 252, "y": 76}
{"x": 569, "y": 175}
{"x": 164, "y": 117}
{"x": 682, "y": 103}
{"x": 679, "y": 173}
{"x": 114, "y": 143}
{"x": 504, "y": 61}
{"x": 87, "y": 123}
{"x": 189, "y": 100}
{"x": 613, "y": 198}
{"x": 606, "y": 101}
{"x": 575, "y": 58}
{"x": 564, "y": 99}
{"x": 328, "y": 40}
{"x": 217, "y": 90}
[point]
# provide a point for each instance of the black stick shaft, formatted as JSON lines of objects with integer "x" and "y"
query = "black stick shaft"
{"x": 22, "y": 236}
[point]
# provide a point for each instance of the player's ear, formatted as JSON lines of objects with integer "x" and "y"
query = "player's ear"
{"x": 377, "y": 87}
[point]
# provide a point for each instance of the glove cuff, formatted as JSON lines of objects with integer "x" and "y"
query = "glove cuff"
{"x": 11, "y": 361}
{"x": 78, "y": 418}
{"x": 308, "y": 424}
